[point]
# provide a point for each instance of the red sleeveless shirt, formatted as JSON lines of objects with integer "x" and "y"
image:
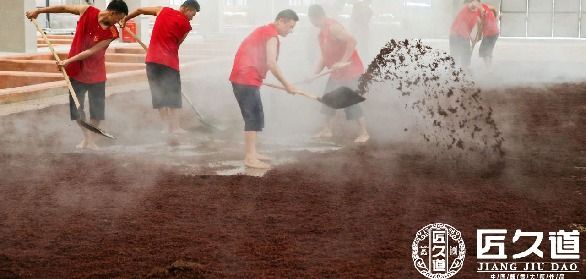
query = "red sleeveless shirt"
{"x": 170, "y": 28}
{"x": 464, "y": 23}
{"x": 87, "y": 34}
{"x": 250, "y": 64}
{"x": 490, "y": 27}
{"x": 333, "y": 50}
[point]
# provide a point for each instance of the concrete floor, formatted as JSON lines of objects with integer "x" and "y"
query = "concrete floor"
{"x": 518, "y": 63}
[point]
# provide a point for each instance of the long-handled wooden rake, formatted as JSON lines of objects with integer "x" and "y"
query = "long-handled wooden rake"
{"x": 71, "y": 90}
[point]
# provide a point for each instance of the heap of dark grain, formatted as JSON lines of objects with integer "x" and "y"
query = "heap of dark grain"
{"x": 452, "y": 112}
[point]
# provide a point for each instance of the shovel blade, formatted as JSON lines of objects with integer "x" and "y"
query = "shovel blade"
{"x": 342, "y": 97}
{"x": 96, "y": 130}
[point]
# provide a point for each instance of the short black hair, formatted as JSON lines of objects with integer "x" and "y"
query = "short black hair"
{"x": 118, "y": 6}
{"x": 316, "y": 11}
{"x": 287, "y": 15}
{"x": 191, "y": 4}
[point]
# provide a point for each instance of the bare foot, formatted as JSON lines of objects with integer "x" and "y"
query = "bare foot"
{"x": 81, "y": 145}
{"x": 263, "y": 157}
{"x": 256, "y": 164}
{"x": 92, "y": 146}
{"x": 362, "y": 138}
{"x": 178, "y": 131}
{"x": 323, "y": 134}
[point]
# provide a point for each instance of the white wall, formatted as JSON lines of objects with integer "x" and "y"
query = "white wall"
{"x": 18, "y": 34}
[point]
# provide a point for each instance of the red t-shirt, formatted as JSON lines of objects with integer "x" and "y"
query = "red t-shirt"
{"x": 87, "y": 34}
{"x": 333, "y": 50}
{"x": 465, "y": 22}
{"x": 170, "y": 28}
{"x": 490, "y": 24}
{"x": 250, "y": 64}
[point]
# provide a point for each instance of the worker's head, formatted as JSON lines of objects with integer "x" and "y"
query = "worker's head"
{"x": 473, "y": 4}
{"x": 115, "y": 12}
{"x": 316, "y": 14}
{"x": 190, "y": 8}
{"x": 285, "y": 22}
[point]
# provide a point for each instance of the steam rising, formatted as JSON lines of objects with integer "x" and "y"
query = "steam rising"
{"x": 450, "y": 105}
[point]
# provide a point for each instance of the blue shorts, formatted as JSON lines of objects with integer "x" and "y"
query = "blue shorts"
{"x": 352, "y": 112}
{"x": 248, "y": 98}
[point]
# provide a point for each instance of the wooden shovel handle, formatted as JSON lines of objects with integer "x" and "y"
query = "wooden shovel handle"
{"x": 73, "y": 94}
{"x": 310, "y": 80}
{"x": 296, "y": 92}
{"x": 136, "y": 38}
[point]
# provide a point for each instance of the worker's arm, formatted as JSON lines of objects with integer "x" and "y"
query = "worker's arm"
{"x": 86, "y": 53}
{"x": 320, "y": 66}
{"x": 272, "y": 53}
{"x": 184, "y": 37}
{"x": 318, "y": 69}
{"x": 341, "y": 34}
{"x": 60, "y": 9}
{"x": 152, "y": 11}
{"x": 480, "y": 20}
{"x": 494, "y": 11}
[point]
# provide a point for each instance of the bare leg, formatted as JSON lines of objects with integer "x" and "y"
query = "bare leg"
{"x": 91, "y": 137}
{"x": 173, "y": 120}
{"x": 83, "y": 143}
{"x": 364, "y": 136}
{"x": 164, "y": 113}
{"x": 250, "y": 159}
{"x": 326, "y": 131}
{"x": 487, "y": 61}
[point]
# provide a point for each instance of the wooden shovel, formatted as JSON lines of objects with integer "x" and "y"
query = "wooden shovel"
{"x": 71, "y": 90}
{"x": 340, "y": 98}
{"x": 312, "y": 79}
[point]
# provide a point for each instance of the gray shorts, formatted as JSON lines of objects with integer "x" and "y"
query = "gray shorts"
{"x": 487, "y": 46}
{"x": 250, "y": 104}
{"x": 352, "y": 112}
{"x": 97, "y": 98}
{"x": 461, "y": 50}
{"x": 165, "y": 86}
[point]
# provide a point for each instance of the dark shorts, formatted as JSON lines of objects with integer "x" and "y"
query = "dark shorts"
{"x": 461, "y": 50}
{"x": 352, "y": 112}
{"x": 165, "y": 86}
{"x": 248, "y": 98}
{"x": 487, "y": 46}
{"x": 97, "y": 100}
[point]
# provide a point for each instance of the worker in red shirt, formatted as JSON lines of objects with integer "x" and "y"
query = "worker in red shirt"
{"x": 490, "y": 33}
{"x": 461, "y": 32}
{"x": 338, "y": 52}
{"x": 256, "y": 56}
{"x": 162, "y": 59}
{"x": 86, "y": 63}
